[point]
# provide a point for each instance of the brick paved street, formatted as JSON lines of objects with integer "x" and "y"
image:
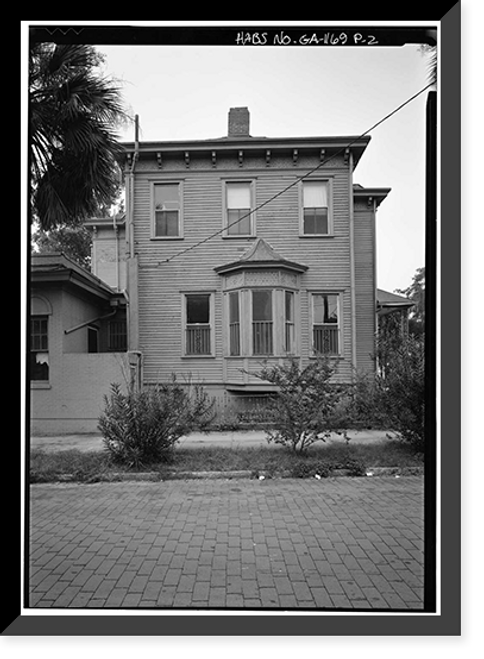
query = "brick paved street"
{"x": 343, "y": 543}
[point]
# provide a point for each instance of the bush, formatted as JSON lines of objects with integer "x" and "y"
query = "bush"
{"x": 142, "y": 428}
{"x": 395, "y": 397}
{"x": 305, "y": 409}
{"x": 402, "y": 391}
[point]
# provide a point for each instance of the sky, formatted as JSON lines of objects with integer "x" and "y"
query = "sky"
{"x": 185, "y": 92}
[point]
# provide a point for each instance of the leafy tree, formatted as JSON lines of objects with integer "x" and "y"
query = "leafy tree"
{"x": 73, "y": 148}
{"x": 73, "y": 241}
{"x": 416, "y": 293}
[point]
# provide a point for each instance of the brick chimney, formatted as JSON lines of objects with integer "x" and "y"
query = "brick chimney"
{"x": 239, "y": 120}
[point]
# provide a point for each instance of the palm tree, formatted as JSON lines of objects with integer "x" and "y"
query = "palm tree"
{"x": 73, "y": 147}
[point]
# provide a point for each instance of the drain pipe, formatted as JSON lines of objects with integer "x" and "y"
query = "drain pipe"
{"x": 89, "y": 322}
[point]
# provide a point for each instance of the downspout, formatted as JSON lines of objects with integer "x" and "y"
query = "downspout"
{"x": 130, "y": 214}
{"x": 352, "y": 268}
{"x": 130, "y": 232}
{"x": 89, "y": 322}
{"x": 115, "y": 227}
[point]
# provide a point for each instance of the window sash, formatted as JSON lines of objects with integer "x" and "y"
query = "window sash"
{"x": 118, "y": 337}
{"x": 167, "y": 208}
{"x": 39, "y": 347}
{"x": 198, "y": 324}
{"x": 289, "y": 322}
{"x": 326, "y": 324}
{"x": 238, "y": 208}
{"x": 262, "y": 325}
{"x": 234, "y": 324}
{"x": 39, "y": 340}
{"x": 315, "y": 194}
{"x": 315, "y": 208}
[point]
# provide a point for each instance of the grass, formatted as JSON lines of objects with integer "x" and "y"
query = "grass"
{"x": 322, "y": 459}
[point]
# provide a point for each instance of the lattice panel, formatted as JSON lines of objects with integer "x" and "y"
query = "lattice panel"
{"x": 262, "y": 278}
{"x": 234, "y": 281}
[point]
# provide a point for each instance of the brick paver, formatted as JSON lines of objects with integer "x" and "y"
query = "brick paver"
{"x": 344, "y": 543}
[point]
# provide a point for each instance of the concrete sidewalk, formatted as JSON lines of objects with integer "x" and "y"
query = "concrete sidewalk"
{"x": 336, "y": 544}
{"x": 90, "y": 442}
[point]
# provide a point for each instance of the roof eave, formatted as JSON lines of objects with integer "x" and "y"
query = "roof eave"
{"x": 257, "y": 265}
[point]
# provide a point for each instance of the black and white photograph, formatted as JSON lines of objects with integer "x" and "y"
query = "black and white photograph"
{"x": 232, "y": 265}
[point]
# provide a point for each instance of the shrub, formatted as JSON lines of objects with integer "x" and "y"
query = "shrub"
{"x": 395, "y": 397}
{"x": 305, "y": 409}
{"x": 402, "y": 391}
{"x": 140, "y": 428}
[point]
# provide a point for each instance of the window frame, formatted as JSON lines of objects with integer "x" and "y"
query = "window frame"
{"x": 237, "y": 323}
{"x": 41, "y": 350}
{"x": 211, "y": 324}
{"x": 165, "y": 182}
{"x": 226, "y": 183}
{"x": 117, "y": 337}
{"x": 328, "y": 181}
{"x": 289, "y": 324}
{"x": 273, "y": 321}
{"x": 339, "y": 324}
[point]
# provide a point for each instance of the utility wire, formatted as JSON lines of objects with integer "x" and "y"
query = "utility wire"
{"x": 301, "y": 178}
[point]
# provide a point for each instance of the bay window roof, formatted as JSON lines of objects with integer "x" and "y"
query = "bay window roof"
{"x": 261, "y": 255}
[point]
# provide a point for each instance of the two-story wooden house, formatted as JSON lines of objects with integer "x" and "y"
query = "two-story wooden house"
{"x": 248, "y": 249}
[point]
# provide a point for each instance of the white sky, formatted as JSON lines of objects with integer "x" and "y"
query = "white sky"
{"x": 185, "y": 92}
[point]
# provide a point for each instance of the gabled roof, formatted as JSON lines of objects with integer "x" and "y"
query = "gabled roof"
{"x": 261, "y": 255}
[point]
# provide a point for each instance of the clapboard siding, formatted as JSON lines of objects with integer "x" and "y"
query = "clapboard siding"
{"x": 164, "y": 273}
{"x": 365, "y": 286}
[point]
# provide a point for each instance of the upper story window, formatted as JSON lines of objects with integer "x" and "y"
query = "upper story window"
{"x": 167, "y": 210}
{"x": 326, "y": 323}
{"x": 39, "y": 348}
{"x": 316, "y": 208}
{"x": 239, "y": 220}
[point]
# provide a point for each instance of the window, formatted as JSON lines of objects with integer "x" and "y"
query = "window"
{"x": 326, "y": 324}
{"x": 239, "y": 218}
{"x": 234, "y": 324}
{"x": 167, "y": 210}
{"x": 39, "y": 348}
{"x": 315, "y": 208}
{"x": 118, "y": 339}
{"x": 262, "y": 339}
{"x": 198, "y": 331}
{"x": 289, "y": 322}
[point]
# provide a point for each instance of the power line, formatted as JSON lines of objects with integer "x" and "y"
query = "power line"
{"x": 301, "y": 178}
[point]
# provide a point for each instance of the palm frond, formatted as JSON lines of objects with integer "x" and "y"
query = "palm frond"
{"x": 73, "y": 147}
